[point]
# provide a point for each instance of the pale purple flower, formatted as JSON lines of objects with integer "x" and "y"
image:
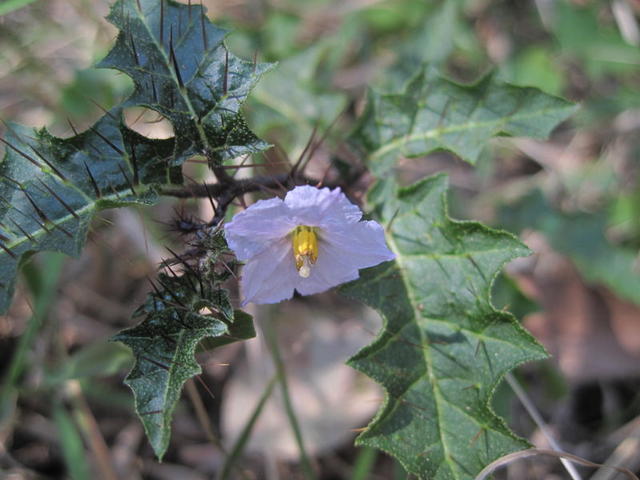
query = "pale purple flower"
{"x": 311, "y": 241}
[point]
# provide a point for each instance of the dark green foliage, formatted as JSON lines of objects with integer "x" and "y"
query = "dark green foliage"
{"x": 434, "y": 113}
{"x": 51, "y": 188}
{"x": 183, "y": 310}
{"x": 181, "y": 69}
{"x": 444, "y": 347}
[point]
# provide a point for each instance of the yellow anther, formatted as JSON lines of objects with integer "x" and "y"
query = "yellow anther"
{"x": 305, "y": 249}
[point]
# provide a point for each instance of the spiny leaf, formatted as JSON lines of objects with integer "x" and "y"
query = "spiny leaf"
{"x": 435, "y": 113}
{"x": 444, "y": 347}
{"x": 180, "y": 313}
{"x": 181, "y": 69}
{"x": 581, "y": 237}
{"x": 50, "y": 188}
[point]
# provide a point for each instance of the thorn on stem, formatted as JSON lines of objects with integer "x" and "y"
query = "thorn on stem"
{"x": 155, "y": 362}
{"x": 57, "y": 197}
{"x": 210, "y": 196}
{"x": 203, "y": 27}
{"x": 73, "y": 129}
{"x": 126, "y": 177}
{"x": 205, "y": 386}
{"x": 188, "y": 267}
{"x": 225, "y": 84}
{"x": 11, "y": 180}
{"x": 174, "y": 60}
{"x": 134, "y": 162}
{"x": 49, "y": 164}
{"x": 23, "y": 231}
{"x": 155, "y": 91}
{"x": 8, "y": 251}
{"x": 21, "y": 153}
{"x": 304, "y": 152}
{"x": 133, "y": 47}
{"x": 104, "y": 110}
{"x": 94, "y": 184}
{"x": 35, "y": 206}
{"x": 161, "y": 22}
{"x": 172, "y": 294}
{"x": 107, "y": 141}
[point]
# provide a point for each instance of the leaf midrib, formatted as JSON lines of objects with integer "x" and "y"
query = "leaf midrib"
{"x": 427, "y": 353}
{"x": 187, "y": 100}
{"x": 399, "y": 142}
{"x": 90, "y": 206}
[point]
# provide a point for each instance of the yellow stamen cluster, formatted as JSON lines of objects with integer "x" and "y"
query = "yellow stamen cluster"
{"x": 305, "y": 249}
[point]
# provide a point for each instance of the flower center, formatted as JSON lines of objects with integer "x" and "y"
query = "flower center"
{"x": 305, "y": 249}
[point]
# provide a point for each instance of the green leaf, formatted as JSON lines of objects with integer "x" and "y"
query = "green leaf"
{"x": 434, "y": 113}
{"x": 292, "y": 97}
{"x": 175, "y": 319}
{"x": 51, "y": 188}
{"x": 182, "y": 69}
{"x": 432, "y": 43}
{"x": 581, "y": 237}
{"x": 535, "y": 66}
{"x": 583, "y": 32}
{"x": 443, "y": 348}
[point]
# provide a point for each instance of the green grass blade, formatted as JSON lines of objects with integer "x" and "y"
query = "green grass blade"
{"x": 364, "y": 463}
{"x": 71, "y": 443}
{"x": 42, "y": 281}
{"x": 245, "y": 435}
{"x": 8, "y": 6}
{"x": 272, "y": 341}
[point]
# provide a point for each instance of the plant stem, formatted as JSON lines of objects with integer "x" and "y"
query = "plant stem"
{"x": 272, "y": 341}
{"x": 244, "y": 436}
{"x": 234, "y": 187}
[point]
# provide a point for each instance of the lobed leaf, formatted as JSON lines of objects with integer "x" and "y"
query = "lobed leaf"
{"x": 182, "y": 69}
{"x": 175, "y": 319}
{"x": 50, "y": 188}
{"x": 443, "y": 347}
{"x": 434, "y": 113}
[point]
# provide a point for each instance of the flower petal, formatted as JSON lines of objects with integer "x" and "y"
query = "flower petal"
{"x": 261, "y": 236}
{"x": 271, "y": 275}
{"x": 363, "y": 242}
{"x": 331, "y": 269}
{"x": 320, "y": 206}
{"x": 254, "y": 229}
{"x": 343, "y": 250}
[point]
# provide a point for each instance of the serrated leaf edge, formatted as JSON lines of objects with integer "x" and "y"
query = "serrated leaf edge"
{"x": 167, "y": 414}
{"x": 361, "y": 439}
{"x": 398, "y": 143}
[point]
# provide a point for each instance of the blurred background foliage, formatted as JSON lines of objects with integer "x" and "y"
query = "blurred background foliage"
{"x": 574, "y": 199}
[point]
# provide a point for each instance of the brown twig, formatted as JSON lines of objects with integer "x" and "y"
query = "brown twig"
{"x": 228, "y": 189}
